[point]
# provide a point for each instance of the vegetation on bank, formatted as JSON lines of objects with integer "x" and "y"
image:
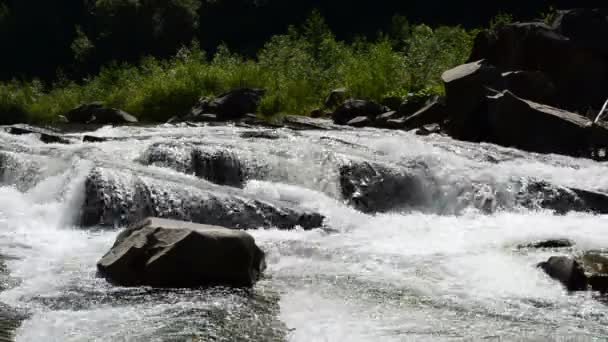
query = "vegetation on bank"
{"x": 297, "y": 69}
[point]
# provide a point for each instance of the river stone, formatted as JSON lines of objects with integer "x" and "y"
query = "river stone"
{"x": 233, "y": 104}
{"x": 551, "y": 243}
{"x": 373, "y": 187}
{"x": 216, "y": 164}
{"x": 45, "y": 135}
{"x": 567, "y": 271}
{"x": 353, "y": 108}
{"x": 118, "y": 198}
{"x": 168, "y": 253}
{"x": 595, "y": 265}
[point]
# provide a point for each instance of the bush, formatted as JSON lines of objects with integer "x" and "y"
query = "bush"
{"x": 297, "y": 69}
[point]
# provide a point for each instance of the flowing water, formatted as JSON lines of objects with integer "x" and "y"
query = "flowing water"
{"x": 426, "y": 274}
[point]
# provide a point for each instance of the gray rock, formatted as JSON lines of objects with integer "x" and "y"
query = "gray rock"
{"x": 567, "y": 271}
{"x": 531, "y": 126}
{"x": 169, "y": 253}
{"x": 118, "y": 198}
{"x": 45, "y": 135}
{"x": 466, "y": 88}
{"x": 433, "y": 113}
{"x": 360, "y": 121}
{"x": 549, "y": 244}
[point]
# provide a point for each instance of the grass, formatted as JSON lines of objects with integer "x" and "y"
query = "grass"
{"x": 298, "y": 69}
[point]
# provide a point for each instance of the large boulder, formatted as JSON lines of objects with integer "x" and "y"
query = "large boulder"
{"x": 466, "y": 88}
{"x": 512, "y": 121}
{"x": 567, "y": 271}
{"x": 231, "y": 105}
{"x": 578, "y": 72}
{"x": 97, "y": 113}
{"x": 118, "y": 198}
{"x": 353, "y": 108}
{"x": 531, "y": 85}
{"x": 585, "y": 27}
{"x": 168, "y": 253}
{"x": 373, "y": 187}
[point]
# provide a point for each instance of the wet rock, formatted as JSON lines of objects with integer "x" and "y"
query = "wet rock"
{"x": 45, "y": 135}
{"x": 360, "y": 121}
{"x": 466, "y": 88}
{"x": 220, "y": 167}
{"x": 302, "y": 123}
{"x": 540, "y": 194}
{"x": 567, "y": 271}
{"x": 353, "y": 108}
{"x": 531, "y": 126}
{"x": 433, "y": 113}
{"x": 169, "y": 253}
{"x": 215, "y": 164}
{"x": 336, "y": 97}
{"x": 97, "y": 113}
{"x": 231, "y": 105}
{"x": 270, "y": 135}
{"x": 119, "y": 198}
{"x": 371, "y": 187}
{"x": 382, "y": 120}
{"x": 550, "y": 244}
{"x": 94, "y": 139}
{"x": 428, "y": 130}
{"x": 595, "y": 266}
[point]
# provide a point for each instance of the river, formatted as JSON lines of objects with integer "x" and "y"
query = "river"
{"x": 450, "y": 271}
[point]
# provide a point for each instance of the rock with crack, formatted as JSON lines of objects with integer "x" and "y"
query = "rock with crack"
{"x": 119, "y": 198}
{"x": 168, "y": 253}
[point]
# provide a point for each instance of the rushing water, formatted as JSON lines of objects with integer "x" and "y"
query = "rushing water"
{"x": 405, "y": 275}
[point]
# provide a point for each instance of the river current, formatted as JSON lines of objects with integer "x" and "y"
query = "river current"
{"x": 453, "y": 273}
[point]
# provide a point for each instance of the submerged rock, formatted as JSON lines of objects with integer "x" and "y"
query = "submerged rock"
{"x": 169, "y": 253}
{"x": 118, "y": 198}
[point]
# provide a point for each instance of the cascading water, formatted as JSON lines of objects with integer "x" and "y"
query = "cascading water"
{"x": 440, "y": 265}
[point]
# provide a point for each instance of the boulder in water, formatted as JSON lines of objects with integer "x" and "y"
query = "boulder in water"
{"x": 371, "y": 187}
{"x": 567, "y": 271}
{"x": 595, "y": 265}
{"x": 45, "y": 135}
{"x": 169, "y": 253}
{"x": 117, "y": 198}
{"x": 549, "y": 244}
{"x": 360, "y": 121}
{"x": 97, "y": 113}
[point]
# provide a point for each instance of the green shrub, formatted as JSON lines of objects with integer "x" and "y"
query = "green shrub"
{"x": 297, "y": 69}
